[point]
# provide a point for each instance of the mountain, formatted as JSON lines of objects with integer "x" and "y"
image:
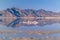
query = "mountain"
{"x": 30, "y": 12}
{"x": 17, "y": 17}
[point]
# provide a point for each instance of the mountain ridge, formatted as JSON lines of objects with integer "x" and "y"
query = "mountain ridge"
{"x": 17, "y": 17}
{"x": 26, "y": 12}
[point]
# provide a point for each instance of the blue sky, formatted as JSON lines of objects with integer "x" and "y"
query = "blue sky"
{"x": 52, "y": 5}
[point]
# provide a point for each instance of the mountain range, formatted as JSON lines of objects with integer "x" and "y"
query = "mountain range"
{"x": 17, "y": 17}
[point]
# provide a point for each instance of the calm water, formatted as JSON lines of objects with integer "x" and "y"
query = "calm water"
{"x": 51, "y": 27}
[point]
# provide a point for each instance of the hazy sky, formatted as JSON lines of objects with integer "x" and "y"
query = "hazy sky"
{"x": 52, "y": 5}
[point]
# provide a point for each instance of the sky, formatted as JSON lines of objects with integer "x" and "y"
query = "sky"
{"x": 51, "y": 5}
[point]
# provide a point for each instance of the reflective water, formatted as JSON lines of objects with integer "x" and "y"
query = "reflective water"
{"x": 45, "y": 36}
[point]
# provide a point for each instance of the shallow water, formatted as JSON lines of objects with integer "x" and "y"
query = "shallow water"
{"x": 52, "y": 36}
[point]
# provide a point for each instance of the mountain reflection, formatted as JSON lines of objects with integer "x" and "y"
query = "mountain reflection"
{"x": 14, "y": 22}
{"x": 29, "y": 21}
